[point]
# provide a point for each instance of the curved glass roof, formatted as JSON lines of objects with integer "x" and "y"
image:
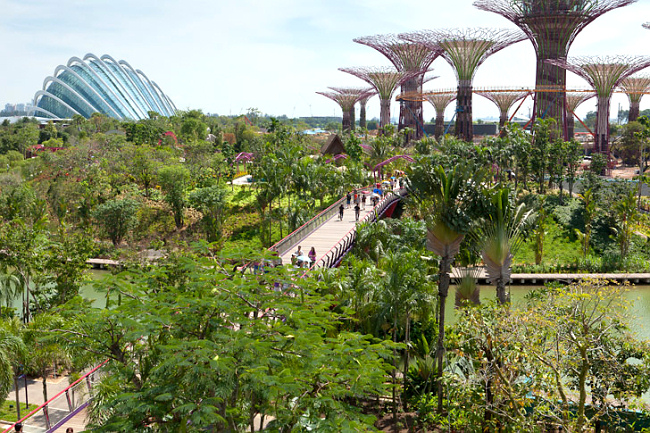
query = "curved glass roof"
{"x": 103, "y": 85}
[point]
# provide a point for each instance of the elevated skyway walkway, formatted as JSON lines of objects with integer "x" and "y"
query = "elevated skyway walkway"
{"x": 333, "y": 238}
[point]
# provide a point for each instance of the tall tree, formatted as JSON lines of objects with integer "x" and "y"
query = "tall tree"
{"x": 174, "y": 181}
{"x": 448, "y": 196}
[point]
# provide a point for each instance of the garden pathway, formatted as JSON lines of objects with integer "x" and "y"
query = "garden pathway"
{"x": 328, "y": 235}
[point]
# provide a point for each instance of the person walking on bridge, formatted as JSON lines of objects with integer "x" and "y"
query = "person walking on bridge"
{"x": 312, "y": 254}
{"x": 356, "y": 212}
{"x": 341, "y": 212}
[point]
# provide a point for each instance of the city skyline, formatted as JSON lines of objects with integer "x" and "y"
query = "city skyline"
{"x": 226, "y": 58}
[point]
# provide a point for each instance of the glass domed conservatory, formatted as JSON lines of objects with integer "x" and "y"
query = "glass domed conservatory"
{"x": 100, "y": 84}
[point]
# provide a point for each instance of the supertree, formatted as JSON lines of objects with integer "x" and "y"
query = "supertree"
{"x": 551, "y": 26}
{"x": 362, "y": 109}
{"x": 384, "y": 81}
{"x": 359, "y": 93}
{"x": 465, "y": 50}
{"x": 635, "y": 88}
{"x": 346, "y": 98}
{"x": 411, "y": 58}
{"x": 440, "y": 101}
{"x": 504, "y": 100}
{"x": 573, "y": 101}
{"x": 604, "y": 74}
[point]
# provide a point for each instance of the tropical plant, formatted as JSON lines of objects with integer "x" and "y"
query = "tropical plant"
{"x": 449, "y": 196}
{"x": 116, "y": 218}
{"x": 403, "y": 292}
{"x": 500, "y": 238}
{"x": 173, "y": 181}
{"x": 627, "y": 216}
{"x": 12, "y": 352}
{"x": 211, "y": 202}
{"x": 224, "y": 350}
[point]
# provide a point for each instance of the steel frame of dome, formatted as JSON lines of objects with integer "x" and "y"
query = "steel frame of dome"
{"x": 103, "y": 85}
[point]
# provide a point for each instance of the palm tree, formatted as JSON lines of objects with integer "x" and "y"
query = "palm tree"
{"x": 12, "y": 350}
{"x": 403, "y": 291}
{"x": 501, "y": 237}
{"x": 371, "y": 240}
{"x": 627, "y": 215}
{"x": 448, "y": 196}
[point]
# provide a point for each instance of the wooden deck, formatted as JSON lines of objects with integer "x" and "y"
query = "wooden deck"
{"x": 102, "y": 263}
{"x": 533, "y": 279}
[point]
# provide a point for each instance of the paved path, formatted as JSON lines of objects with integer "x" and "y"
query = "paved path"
{"x": 328, "y": 235}
{"x": 243, "y": 180}
{"x": 58, "y": 409}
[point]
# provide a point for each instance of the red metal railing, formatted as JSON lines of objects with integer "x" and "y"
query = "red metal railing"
{"x": 294, "y": 238}
{"x": 40, "y": 418}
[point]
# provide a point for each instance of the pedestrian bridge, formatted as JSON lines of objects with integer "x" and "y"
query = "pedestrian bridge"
{"x": 333, "y": 238}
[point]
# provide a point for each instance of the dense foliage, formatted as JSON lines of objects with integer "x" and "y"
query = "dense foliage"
{"x": 201, "y": 340}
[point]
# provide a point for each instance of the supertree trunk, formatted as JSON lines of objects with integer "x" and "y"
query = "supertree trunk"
{"x": 549, "y": 76}
{"x": 440, "y": 125}
{"x": 464, "y": 128}
{"x": 570, "y": 126}
{"x": 353, "y": 121}
{"x": 362, "y": 115}
{"x": 503, "y": 118}
{"x": 601, "y": 143}
{"x": 384, "y": 114}
{"x": 411, "y": 113}
{"x": 345, "y": 124}
{"x": 634, "y": 111}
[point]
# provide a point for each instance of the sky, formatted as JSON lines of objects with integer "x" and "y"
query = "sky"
{"x": 226, "y": 57}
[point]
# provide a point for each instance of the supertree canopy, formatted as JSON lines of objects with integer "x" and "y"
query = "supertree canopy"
{"x": 411, "y": 58}
{"x": 346, "y": 98}
{"x": 551, "y": 25}
{"x": 573, "y": 101}
{"x": 440, "y": 101}
{"x": 504, "y": 100}
{"x": 384, "y": 81}
{"x": 604, "y": 74}
{"x": 465, "y": 50}
{"x": 635, "y": 88}
{"x": 360, "y": 94}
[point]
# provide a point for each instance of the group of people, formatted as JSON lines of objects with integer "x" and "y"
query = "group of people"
{"x": 359, "y": 200}
{"x": 298, "y": 258}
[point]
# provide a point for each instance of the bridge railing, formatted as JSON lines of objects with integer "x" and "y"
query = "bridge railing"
{"x": 295, "y": 237}
{"x": 337, "y": 252}
{"x": 58, "y": 410}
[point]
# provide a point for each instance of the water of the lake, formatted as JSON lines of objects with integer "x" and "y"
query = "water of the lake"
{"x": 639, "y": 297}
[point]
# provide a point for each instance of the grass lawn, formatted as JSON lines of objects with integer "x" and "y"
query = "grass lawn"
{"x": 559, "y": 247}
{"x": 8, "y": 410}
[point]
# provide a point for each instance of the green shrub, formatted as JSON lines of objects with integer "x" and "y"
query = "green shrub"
{"x": 116, "y": 217}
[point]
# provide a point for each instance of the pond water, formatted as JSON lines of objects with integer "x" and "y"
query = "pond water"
{"x": 87, "y": 292}
{"x": 639, "y": 297}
